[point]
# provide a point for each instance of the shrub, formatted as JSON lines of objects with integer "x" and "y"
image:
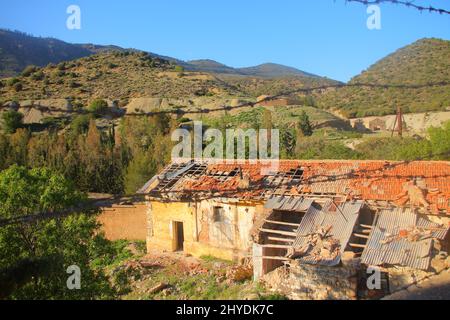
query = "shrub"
{"x": 28, "y": 71}
{"x": 80, "y": 124}
{"x": 12, "y": 82}
{"x": 38, "y": 76}
{"x": 179, "y": 69}
{"x": 12, "y": 120}
{"x": 73, "y": 84}
{"x": 18, "y": 87}
{"x": 98, "y": 105}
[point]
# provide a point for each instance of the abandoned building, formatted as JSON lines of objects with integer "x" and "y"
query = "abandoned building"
{"x": 312, "y": 228}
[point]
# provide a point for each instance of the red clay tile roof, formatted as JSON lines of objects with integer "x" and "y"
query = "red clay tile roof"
{"x": 420, "y": 183}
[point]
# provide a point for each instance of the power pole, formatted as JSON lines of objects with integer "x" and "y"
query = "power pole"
{"x": 398, "y": 124}
{"x": 400, "y": 121}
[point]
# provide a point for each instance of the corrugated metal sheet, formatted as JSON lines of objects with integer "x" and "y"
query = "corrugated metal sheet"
{"x": 342, "y": 221}
{"x": 288, "y": 203}
{"x": 400, "y": 251}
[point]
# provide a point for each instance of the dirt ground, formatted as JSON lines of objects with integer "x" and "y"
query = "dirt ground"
{"x": 174, "y": 276}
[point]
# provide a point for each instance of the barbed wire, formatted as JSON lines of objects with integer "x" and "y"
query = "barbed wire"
{"x": 409, "y": 4}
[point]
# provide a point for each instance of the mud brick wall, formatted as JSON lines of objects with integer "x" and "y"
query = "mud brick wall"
{"x": 124, "y": 222}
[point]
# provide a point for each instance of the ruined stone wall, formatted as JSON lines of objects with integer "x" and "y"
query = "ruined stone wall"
{"x": 124, "y": 222}
{"x": 314, "y": 282}
{"x": 226, "y": 239}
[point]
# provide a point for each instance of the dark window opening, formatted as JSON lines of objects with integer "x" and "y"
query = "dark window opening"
{"x": 218, "y": 214}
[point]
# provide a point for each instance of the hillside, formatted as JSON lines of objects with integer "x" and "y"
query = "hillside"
{"x": 207, "y": 65}
{"x": 18, "y": 50}
{"x": 266, "y": 70}
{"x": 287, "y": 85}
{"x": 425, "y": 61}
{"x": 115, "y": 76}
{"x": 273, "y": 70}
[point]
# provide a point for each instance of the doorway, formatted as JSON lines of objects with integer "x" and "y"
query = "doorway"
{"x": 178, "y": 231}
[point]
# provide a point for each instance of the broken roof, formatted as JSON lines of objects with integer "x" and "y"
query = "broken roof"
{"x": 338, "y": 223}
{"x": 401, "y": 237}
{"x": 420, "y": 183}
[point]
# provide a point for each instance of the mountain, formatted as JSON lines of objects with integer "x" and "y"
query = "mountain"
{"x": 114, "y": 76}
{"x": 207, "y": 65}
{"x": 423, "y": 62}
{"x": 266, "y": 70}
{"x": 19, "y": 50}
{"x": 273, "y": 70}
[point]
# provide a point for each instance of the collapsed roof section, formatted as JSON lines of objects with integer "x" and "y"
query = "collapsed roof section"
{"x": 325, "y": 231}
{"x": 402, "y": 237}
{"x": 421, "y": 184}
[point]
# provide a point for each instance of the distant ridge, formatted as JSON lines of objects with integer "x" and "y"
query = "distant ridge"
{"x": 18, "y": 50}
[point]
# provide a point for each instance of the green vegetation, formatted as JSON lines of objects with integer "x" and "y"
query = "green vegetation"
{"x": 91, "y": 158}
{"x": 12, "y": 120}
{"x": 98, "y": 106}
{"x": 425, "y": 61}
{"x": 304, "y": 125}
{"x": 52, "y": 244}
{"x": 436, "y": 147}
{"x": 28, "y": 71}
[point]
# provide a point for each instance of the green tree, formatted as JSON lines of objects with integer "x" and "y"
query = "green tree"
{"x": 305, "y": 125}
{"x": 54, "y": 243}
{"x": 440, "y": 141}
{"x": 12, "y": 120}
{"x": 267, "y": 122}
{"x": 80, "y": 124}
{"x": 98, "y": 106}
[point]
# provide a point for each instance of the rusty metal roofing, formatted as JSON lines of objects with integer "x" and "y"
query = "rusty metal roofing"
{"x": 420, "y": 183}
{"x": 288, "y": 203}
{"x": 341, "y": 219}
{"x": 386, "y": 247}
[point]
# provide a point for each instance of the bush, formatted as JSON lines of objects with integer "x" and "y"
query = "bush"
{"x": 74, "y": 84}
{"x": 28, "y": 71}
{"x": 12, "y": 120}
{"x": 179, "y": 69}
{"x": 12, "y": 82}
{"x": 80, "y": 124}
{"x": 98, "y": 106}
{"x": 18, "y": 87}
{"x": 38, "y": 76}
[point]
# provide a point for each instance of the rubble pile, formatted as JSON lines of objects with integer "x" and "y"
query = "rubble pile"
{"x": 320, "y": 245}
{"x": 240, "y": 273}
{"x": 412, "y": 234}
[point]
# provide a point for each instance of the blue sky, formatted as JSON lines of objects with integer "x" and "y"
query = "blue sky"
{"x": 325, "y": 37}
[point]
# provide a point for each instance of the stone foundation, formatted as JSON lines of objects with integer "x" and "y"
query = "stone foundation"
{"x": 314, "y": 282}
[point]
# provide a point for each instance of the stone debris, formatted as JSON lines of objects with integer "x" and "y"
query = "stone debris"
{"x": 412, "y": 234}
{"x": 158, "y": 288}
{"x": 240, "y": 273}
{"x": 319, "y": 245}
